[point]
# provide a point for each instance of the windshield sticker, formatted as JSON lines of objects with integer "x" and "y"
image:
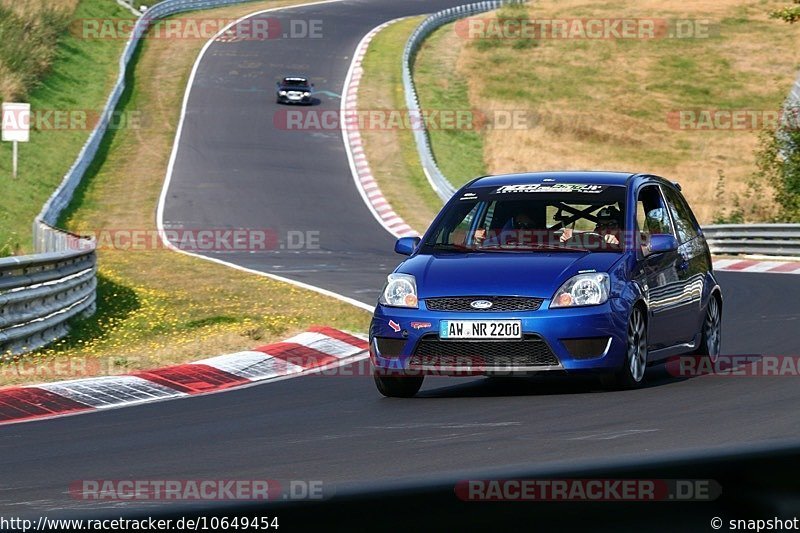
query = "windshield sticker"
{"x": 555, "y": 187}
{"x": 469, "y": 196}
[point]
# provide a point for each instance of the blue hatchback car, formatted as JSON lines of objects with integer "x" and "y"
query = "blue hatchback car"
{"x": 599, "y": 272}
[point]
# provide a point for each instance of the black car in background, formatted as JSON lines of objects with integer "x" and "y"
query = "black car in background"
{"x": 294, "y": 90}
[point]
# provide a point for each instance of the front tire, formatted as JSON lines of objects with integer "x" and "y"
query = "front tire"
{"x": 398, "y": 386}
{"x": 631, "y": 375}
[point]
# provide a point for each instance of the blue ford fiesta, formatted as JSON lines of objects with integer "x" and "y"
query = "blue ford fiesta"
{"x": 600, "y": 272}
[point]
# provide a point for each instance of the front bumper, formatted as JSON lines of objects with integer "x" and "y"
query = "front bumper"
{"x": 587, "y": 339}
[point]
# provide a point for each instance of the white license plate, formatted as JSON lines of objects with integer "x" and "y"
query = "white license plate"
{"x": 480, "y": 329}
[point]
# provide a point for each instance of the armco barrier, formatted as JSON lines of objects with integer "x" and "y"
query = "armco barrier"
{"x": 794, "y": 96}
{"x": 40, "y": 293}
{"x": 762, "y": 239}
{"x": 440, "y": 184}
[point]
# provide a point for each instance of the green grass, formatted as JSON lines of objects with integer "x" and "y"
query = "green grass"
{"x": 458, "y": 151}
{"x": 29, "y": 32}
{"x": 80, "y": 78}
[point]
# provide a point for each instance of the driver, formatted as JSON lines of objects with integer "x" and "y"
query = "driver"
{"x": 609, "y": 225}
{"x": 521, "y": 221}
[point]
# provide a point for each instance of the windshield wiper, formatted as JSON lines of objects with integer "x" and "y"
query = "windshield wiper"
{"x": 450, "y": 247}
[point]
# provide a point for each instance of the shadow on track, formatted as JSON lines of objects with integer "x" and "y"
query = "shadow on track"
{"x": 554, "y": 384}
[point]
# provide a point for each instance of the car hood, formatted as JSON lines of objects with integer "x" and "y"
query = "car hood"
{"x": 494, "y": 274}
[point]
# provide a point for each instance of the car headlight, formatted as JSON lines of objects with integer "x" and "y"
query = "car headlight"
{"x": 583, "y": 289}
{"x": 283, "y": 93}
{"x": 306, "y": 93}
{"x": 400, "y": 291}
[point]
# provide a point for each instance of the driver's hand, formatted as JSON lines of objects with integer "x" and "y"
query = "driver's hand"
{"x": 567, "y": 235}
{"x": 610, "y": 239}
{"x": 480, "y": 236}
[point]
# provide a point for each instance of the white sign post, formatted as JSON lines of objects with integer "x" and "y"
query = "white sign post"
{"x": 16, "y": 124}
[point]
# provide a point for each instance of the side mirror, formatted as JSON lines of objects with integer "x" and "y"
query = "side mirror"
{"x": 406, "y": 245}
{"x": 662, "y": 242}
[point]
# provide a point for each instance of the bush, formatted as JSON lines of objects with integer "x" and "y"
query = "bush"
{"x": 790, "y": 14}
{"x": 772, "y": 193}
{"x": 778, "y": 164}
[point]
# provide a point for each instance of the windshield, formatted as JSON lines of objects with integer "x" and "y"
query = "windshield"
{"x": 551, "y": 217}
{"x": 289, "y": 82}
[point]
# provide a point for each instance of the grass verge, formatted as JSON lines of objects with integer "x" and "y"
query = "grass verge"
{"x": 159, "y": 307}
{"x": 442, "y": 87}
{"x": 612, "y": 103}
{"x": 78, "y": 75}
{"x": 29, "y": 33}
{"x": 392, "y": 153}
{"x": 599, "y": 104}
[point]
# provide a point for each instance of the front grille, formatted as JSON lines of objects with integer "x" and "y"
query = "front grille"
{"x": 500, "y": 304}
{"x": 532, "y": 350}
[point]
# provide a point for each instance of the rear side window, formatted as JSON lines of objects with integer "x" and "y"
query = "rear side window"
{"x": 685, "y": 224}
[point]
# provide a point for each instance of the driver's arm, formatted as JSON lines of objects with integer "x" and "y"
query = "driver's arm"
{"x": 479, "y": 237}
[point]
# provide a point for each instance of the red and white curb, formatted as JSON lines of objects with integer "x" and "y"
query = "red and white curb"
{"x": 354, "y": 144}
{"x": 317, "y": 349}
{"x": 751, "y": 265}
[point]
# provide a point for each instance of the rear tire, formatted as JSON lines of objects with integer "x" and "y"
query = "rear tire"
{"x": 711, "y": 332}
{"x": 631, "y": 375}
{"x": 398, "y": 386}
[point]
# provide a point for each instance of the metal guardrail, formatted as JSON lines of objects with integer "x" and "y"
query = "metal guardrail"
{"x": 438, "y": 181}
{"x": 793, "y": 100}
{"x": 40, "y": 293}
{"x": 761, "y": 239}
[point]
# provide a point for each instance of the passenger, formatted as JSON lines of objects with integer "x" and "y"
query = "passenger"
{"x": 609, "y": 226}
